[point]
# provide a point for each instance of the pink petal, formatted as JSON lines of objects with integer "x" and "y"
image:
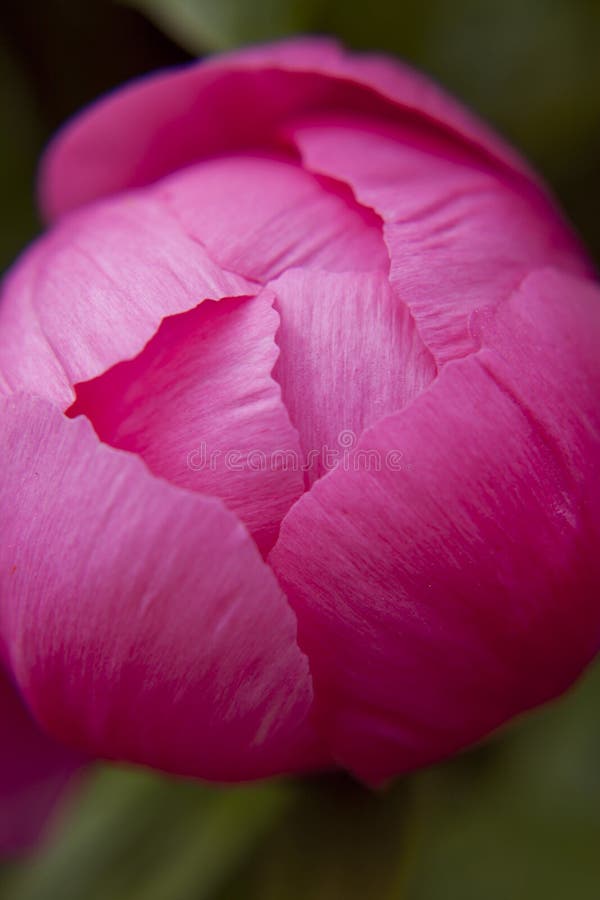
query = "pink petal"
{"x": 34, "y": 772}
{"x": 258, "y": 216}
{"x": 350, "y": 354}
{"x": 199, "y": 405}
{"x": 94, "y": 291}
{"x": 139, "y": 619}
{"x": 234, "y": 101}
{"x": 459, "y": 585}
{"x": 459, "y": 237}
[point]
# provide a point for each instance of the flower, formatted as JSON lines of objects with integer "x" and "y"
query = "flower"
{"x": 301, "y": 426}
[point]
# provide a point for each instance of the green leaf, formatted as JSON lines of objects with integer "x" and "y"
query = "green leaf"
{"x": 134, "y": 835}
{"x": 519, "y": 817}
{"x": 201, "y": 25}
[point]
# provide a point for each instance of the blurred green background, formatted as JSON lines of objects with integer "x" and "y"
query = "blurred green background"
{"x": 518, "y": 817}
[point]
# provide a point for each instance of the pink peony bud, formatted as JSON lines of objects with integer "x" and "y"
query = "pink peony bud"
{"x": 300, "y": 426}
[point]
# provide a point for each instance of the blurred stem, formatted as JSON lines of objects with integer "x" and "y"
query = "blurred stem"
{"x": 339, "y": 841}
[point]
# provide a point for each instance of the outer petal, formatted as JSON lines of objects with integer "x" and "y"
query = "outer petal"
{"x": 94, "y": 291}
{"x": 34, "y": 771}
{"x": 350, "y": 354}
{"x": 139, "y": 619}
{"x": 459, "y": 237}
{"x": 438, "y": 598}
{"x": 234, "y": 101}
{"x": 199, "y": 405}
{"x": 259, "y": 216}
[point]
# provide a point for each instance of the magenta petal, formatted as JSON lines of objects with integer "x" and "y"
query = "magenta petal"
{"x": 34, "y": 771}
{"x": 200, "y": 407}
{"x": 459, "y": 237}
{"x": 350, "y": 354}
{"x": 138, "y": 619}
{"x": 95, "y": 289}
{"x": 259, "y": 216}
{"x": 459, "y": 585}
{"x": 168, "y": 120}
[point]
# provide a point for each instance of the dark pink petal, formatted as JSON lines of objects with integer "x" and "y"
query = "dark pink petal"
{"x": 258, "y": 216}
{"x": 459, "y": 237}
{"x": 199, "y": 405}
{"x": 236, "y": 101}
{"x": 138, "y": 619}
{"x": 350, "y": 354}
{"x": 94, "y": 290}
{"x": 34, "y": 771}
{"x": 460, "y": 584}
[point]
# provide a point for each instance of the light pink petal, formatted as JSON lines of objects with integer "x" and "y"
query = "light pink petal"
{"x": 94, "y": 290}
{"x": 258, "y": 216}
{"x": 460, "y": 584}
{"x": 350, "y": 354}
{"x": 199, "y": 405}
{"x": 167, "y": 121}
{"x": 34, "y": 771}
{"x": 459, "y": 237}
{"x": 138, "y": 619}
